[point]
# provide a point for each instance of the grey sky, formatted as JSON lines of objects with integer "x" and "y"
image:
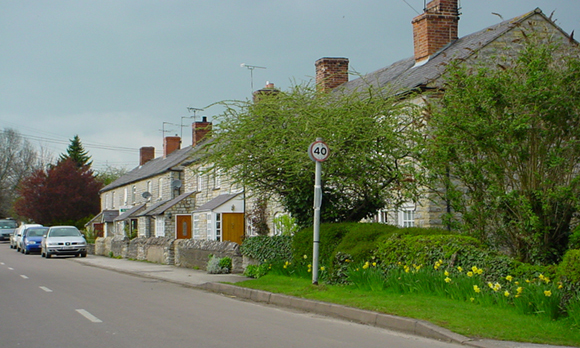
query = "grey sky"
{"x": 112, "y": 71}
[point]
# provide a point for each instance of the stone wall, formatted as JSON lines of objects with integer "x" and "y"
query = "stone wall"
{"x": 187, "y": 253}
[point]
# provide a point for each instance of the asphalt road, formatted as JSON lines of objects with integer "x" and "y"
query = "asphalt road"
{"x": 59, "y": 303}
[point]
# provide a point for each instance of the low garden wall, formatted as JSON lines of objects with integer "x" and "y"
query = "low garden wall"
{"x": 181, "y": 252}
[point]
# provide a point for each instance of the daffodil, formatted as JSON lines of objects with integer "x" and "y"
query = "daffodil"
{"x": 547, "y": 293}
{"x": 476, "y": 289}
{"x": 506, "y": 293}
{"x": 374, "y": 264}
{"x": 509, "y": 278}
{"x": 447, "y": 280}
{"x": 305, "y": 257}
{"x": 472, "y": 299}
{"x": 470, "y": 274}
{"x": 446, "y": 273}
{"x": 366, "y": 265}
{"x": 460, "y": 269}
{"x": 322, "y": 268}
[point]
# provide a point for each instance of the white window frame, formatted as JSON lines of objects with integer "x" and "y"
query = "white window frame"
{"x": 133, "y": 193}
{"x": 406, "y": 216}
{"x": 196, "y": 226}
{"x": 218, "y": 227}
{"x": 199, "y": 181}
{"x": 126, "y": 196}
{"x": 160, "y": 189}
{"x": 209, "y": 226}
{"x": 217, "y": 179}
{"x": 160, "y": 226}
{"x": 113, "y": 200}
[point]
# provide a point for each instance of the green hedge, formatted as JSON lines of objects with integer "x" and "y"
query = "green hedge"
{"x": 261, "y": 248}
{"x": 569, "y": 269}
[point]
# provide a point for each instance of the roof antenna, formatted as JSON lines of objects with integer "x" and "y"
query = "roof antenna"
{"x": 405, "y": 1}
{"x": 251, "y": 68}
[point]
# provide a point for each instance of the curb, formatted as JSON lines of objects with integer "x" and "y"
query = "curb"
{"x": 385, "y": 321}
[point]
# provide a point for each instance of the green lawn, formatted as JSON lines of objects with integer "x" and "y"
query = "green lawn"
{"x": 465, "y": 318}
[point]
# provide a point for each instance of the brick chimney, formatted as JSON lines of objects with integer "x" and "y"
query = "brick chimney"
{"x": 200, "y": 130}
{"x": 146, "y": 154}
{"x": 331, "y": 72}
{"x": 171, "y": 144}
{"x": 435, "y": 28}
{"x": 270, "y": 89}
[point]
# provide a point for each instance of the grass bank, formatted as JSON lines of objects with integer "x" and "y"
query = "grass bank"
{"x": 466, "y": 318}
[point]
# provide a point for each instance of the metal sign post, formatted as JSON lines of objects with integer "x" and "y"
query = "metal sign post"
{"x": 318, "y": 152}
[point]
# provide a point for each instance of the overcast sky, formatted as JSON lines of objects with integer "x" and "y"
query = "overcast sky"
{"x": 112, "y": 71}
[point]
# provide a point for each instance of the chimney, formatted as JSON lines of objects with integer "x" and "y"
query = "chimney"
{"x": 146, "y": 154}
{"x": 170, "y": 144}
{"x": 270, "y": 89}
{"x": 331, "y": 73}
{"x": 200, "y": 130}
{"x": 435, "y": 28}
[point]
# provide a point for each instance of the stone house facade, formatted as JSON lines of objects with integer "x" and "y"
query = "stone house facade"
{"x": 436, "y": 44}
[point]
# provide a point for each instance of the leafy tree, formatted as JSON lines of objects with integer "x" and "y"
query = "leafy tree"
{"x": 110, "y": 174}
{"x": 62, "y": 194}
{"x": 77, "y": 153}
{"x": 17, "y": 160}
{"x": 264, "y": 146}
{"x": 506, "y": 143}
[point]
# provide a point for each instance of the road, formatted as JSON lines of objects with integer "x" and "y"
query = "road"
{"x": 61, "y": 303}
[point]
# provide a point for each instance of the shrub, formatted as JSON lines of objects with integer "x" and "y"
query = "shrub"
{"x": 569, "y": 270}
{"x": 330, "y": 236}
{"x": 214, "y": 265}
{"x": 267, "y": 248}
{"x": 257, "y": 271}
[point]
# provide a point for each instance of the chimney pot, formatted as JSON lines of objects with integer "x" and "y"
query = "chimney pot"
{"x": 146, "y": 154}
{"x": 200, "y": 130}
{"x": 331, "y": 72}
{"x": 435, "y": 28}
{"x": 170, "y": 144}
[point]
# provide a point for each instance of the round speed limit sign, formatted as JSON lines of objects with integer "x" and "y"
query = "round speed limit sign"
{"x": 318, "y": 151}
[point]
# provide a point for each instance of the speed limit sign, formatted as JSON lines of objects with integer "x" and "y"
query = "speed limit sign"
{"x": 318, "y": 151}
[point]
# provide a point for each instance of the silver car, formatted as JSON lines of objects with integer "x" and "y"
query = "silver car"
{"x": 63, "y": 240}
{"x": 7, "y": 227}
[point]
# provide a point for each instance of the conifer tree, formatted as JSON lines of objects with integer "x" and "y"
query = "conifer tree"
{"x": 77, "y": 153}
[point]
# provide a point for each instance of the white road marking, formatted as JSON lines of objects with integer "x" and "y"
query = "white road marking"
{"x": 45, "y": 289}
{"x": 10, "y": 268}
{"x": 23, "y": 276}
{"x": 2, "y": 263}
{"x": 89, "y": 316}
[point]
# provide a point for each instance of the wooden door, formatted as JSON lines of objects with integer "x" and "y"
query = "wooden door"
{"x": 232, "y": 227}
{"x": 183, "y": 228}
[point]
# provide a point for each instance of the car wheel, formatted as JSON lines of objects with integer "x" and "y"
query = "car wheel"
{"x": 25, "y": 251}
{"x": 84, "y": 254}
{"x": 47, "y": 255}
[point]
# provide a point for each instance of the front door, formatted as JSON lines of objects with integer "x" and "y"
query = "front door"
{"x": 183, "y": 228}
{"x": 233, "y": 227}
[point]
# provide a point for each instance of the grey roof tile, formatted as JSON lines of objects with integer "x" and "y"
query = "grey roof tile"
{"x": 216, "y": 202}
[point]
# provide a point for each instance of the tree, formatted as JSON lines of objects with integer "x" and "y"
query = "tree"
{"x": 17, "y": 160}
{"x": 62, "y": 194}
{"x": 77, "y": 153}
{"x": 110, "y": 174}
{"x": 264, "y": 146}
{"x": 506, "y": 144}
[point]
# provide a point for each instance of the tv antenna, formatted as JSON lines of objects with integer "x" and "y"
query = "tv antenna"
{"x": 251, "y": 68}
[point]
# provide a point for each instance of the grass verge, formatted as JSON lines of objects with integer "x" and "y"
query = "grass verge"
{"x": 465, "y": 318}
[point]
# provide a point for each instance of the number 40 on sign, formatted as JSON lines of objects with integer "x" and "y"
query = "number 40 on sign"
{"x": 318, "y": 151}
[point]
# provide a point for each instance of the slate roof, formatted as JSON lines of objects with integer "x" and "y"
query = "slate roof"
{"x": 168, "y": 204}
{"x": 404, "y": 76}
{"x": 152, "y": 207}
{"x": 216, "y": 202}
{"x": 159, "y": 165}
{"x": 129, "y": 213}
{"x": 104, "y": 216}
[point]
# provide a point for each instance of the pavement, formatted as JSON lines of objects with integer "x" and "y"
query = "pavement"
{"x": 217, "y": 283}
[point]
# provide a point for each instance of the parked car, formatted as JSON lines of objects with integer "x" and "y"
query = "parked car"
{"x": 16, "y": 239}
{"x": 7, "y": 227}
{"x": 63, "y": 240}
{"x": 32, "y": 237}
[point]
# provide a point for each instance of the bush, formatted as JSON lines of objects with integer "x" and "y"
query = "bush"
{"x": 257, "y": 271}
{"x": 330, "y": 236}
{"x": 215, "y": 265}
{"x": 569, "y": 270}
{"x": 261, "y": 248}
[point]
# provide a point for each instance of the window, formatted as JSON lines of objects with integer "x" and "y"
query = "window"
{"x": 199, "y": 180}
{"x": 196, "y": 226}
{"x": 209, "y": 227}
{"x": 133, "y": 193}
{"x": 407, "y": 217}
{"x": 149, "y": 190}
{"x": 126, "y": 197}
{"x": 159, "y": 226}
{"x": 113, "y": 200}
{"x": 217, "y": 179}
{"x": 218, "y": 227}
{"x": 160, "y": 189}
{"x": 107, "y": 206}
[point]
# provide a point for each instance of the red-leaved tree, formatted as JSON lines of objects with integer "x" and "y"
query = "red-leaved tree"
{"x": 62, "y": 194}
